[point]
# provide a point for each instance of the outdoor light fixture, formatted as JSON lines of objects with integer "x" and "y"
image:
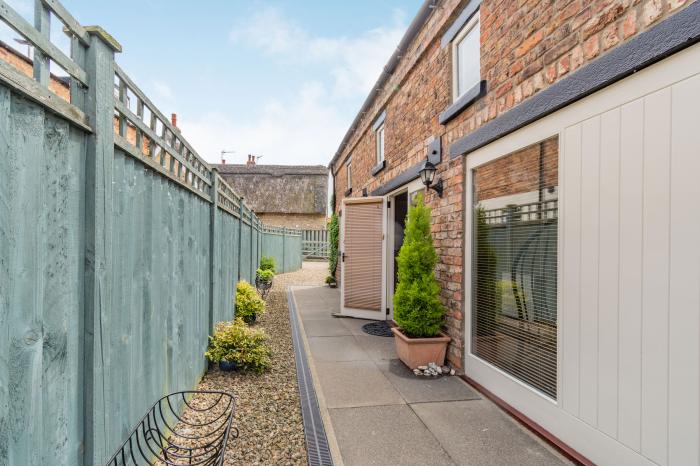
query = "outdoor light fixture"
{"x": 427, "y": 174}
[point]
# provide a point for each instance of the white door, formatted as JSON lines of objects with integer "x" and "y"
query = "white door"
{"x": 362, "y": 258}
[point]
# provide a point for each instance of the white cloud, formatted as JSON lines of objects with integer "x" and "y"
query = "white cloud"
{"x": 307, "y": 128}
{"x": 302, "y": 131}
{"x": 354, "y": 63}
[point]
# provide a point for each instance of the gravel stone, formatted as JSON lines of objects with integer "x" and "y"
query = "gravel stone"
{"x": 268, "y": 412}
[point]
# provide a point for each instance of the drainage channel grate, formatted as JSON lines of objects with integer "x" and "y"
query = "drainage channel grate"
{"x": 316, "y": 441}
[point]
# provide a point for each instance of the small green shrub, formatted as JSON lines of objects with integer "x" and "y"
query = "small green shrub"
{"x": 330, "y": 279}
{"x": 236, "y": 342}
{"x": 417, "y": 307}
{"x": 333, "y": 237}
{"x": 265, "y": 275}
{"x": 268, "y": 263}
{"x": 248, "y": 302}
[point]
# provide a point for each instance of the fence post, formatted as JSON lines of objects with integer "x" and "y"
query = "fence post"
{"x": 99, "y": 108}
{"x": 252, "y": 261}
{"x": 241, "y": 210}
{"x": 213, "y": 249}
{"x": 284, "y": 249}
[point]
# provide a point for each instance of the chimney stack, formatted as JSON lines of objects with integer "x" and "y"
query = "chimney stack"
{"x": 251, "y": 160}
{"x": 173, "y": 119}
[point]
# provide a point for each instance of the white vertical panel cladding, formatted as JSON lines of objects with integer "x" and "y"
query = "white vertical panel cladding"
{"x": 655, "y": 263}
{"x": 608, "y": 272}
{"x": 630, "y": 289}
{"x": 590, "y": 204}
{"x": 630, "y": 317}
{"x": 570, "y": 168}
{"x": 684, "y": 305}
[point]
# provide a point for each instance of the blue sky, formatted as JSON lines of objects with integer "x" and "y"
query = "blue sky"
{"x": 282, "y": 79}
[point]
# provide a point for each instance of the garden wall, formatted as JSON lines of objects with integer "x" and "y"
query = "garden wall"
{"x": 120, "y": 249}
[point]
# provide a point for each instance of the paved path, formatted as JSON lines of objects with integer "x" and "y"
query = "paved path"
{"x": 377, "y": 412}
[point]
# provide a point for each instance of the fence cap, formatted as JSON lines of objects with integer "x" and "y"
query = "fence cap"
{"x": 105, "y": 36}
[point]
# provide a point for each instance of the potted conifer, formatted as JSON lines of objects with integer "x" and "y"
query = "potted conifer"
{"x": 417, "y": 307}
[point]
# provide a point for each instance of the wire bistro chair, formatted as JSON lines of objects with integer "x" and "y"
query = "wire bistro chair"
{"x": 197, "y": 437}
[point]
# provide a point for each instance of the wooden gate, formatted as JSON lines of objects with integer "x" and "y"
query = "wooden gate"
{"x": 314, "y": 244}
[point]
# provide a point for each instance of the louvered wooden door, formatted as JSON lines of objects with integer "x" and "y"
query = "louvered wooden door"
{"x": 362, "y": 259}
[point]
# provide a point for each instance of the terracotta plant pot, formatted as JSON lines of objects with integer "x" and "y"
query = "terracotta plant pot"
{"x": 416, "y": 352}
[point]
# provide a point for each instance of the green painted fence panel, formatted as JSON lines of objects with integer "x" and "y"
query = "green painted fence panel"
{"x": 42, "y": 161}
{"x": 155, "y": 331}
{"x": 292, "y": 252}
{"x": 246, "y": 253}
{"x": 111, "y": 273}
{"x": 227, "y": 245}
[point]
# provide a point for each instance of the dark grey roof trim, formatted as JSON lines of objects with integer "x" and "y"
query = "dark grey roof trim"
{"x": 399, "y": 180}
{"x": 434, "y": 155}
{"x": 459, "y": 23}
{"x": 675, "y": 33}
{"x": 379, "y": 167}
{"x": 379, "y": 121}
{"x": 469, "y": 97}
{"x": 421, "y": 17}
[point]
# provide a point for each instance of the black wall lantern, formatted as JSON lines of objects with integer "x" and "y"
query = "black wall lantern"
{"x": 427, "y": 174}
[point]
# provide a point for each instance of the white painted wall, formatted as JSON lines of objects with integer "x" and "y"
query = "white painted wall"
{"x": 629, "y": 264}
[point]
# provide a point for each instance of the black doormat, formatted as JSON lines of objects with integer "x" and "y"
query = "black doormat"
{"x": 378, "y": 329}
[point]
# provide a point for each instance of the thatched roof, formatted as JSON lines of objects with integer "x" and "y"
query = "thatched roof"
{"x": 294, "y": 189}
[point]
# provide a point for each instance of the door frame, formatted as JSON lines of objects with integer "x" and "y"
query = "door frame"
{"x": 360, "y": 313}
{"x": 408, "y": 188}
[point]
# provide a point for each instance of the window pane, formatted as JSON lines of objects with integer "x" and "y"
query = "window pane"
{"x": 514, "y": 259}
{"x": 380, "y": 144}
{"x": 468, "y": 61}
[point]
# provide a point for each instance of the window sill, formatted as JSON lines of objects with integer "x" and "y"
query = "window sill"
{"x": 471, "y": 96}
{"x": 348, "y": 192}
{"x": 379, "y": 167}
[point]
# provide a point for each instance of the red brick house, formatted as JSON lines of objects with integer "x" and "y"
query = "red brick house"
{"x": 566, "y": 136}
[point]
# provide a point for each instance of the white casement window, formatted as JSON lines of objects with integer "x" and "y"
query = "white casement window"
{"x": 466, "y": 58}
{"x": 379, "y": 133}
{"x": 348, "y": 172}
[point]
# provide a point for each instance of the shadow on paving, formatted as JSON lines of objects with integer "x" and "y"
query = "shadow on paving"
{"x": 381, "y": 413}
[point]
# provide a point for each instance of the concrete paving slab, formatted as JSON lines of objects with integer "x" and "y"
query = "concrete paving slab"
{"x": 355, "y": 383}
{"x": 340, "y": 348}
{"x": 424, "y": 389}
{"x": 319, "y": 298}
{"x": 325, "y": 328}
{"x": 385, "y": 435}
{"x": 478, "y": 433}
{"x": 355, "y": 325}
{"x": 378, "y": 348}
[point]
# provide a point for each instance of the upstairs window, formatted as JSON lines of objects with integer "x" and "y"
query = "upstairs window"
{"x": 348, "y": 173}
{"x": 379, "y": 133}
{"x": 466, "y": 58}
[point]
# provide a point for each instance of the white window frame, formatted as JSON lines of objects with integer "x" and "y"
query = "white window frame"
{"x": 469, "y": 27}
{"x": 379, "y": 147}
{"x": 348, "y": 173}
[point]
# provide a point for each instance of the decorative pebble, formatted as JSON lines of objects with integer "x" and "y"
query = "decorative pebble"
{"x": 423, "y": 368}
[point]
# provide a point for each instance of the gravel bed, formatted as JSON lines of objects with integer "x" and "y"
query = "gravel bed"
{"x": 268, "y": 413}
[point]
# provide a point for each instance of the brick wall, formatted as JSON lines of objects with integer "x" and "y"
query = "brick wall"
{"x": 526, "y": 45}
{"x": 519, "y": 172}
{"x": 25, "y": 65}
